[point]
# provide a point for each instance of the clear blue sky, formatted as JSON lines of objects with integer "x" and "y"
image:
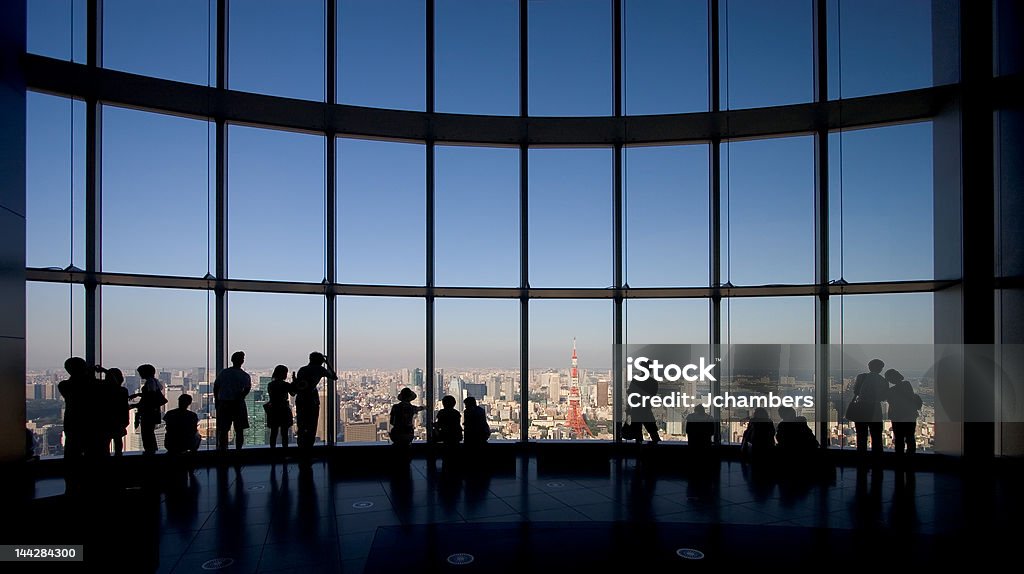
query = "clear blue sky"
{"x": 156, "y": 178}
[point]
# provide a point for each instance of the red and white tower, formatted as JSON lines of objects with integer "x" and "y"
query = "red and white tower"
{"x": 574, "y": 418}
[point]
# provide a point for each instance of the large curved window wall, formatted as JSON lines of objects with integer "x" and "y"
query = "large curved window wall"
{"x": 449, "y": 195}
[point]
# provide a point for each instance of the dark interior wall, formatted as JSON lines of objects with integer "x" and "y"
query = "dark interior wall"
{"x": 12, "y": 231}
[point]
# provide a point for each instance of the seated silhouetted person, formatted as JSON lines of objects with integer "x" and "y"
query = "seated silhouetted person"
{"x": 402, "y": 414}
{"x": 448, "y": 427}
{"x": 793, "y": 434}
{"x": 759, "y": 438}
{"x": 474, "y": 421}
{"x": 182, "y": 430}
{"x": 700, "y": 428}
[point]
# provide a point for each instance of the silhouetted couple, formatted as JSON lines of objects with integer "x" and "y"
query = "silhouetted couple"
{"x": 448, "y": 429}
{"x": 865, "y": 410}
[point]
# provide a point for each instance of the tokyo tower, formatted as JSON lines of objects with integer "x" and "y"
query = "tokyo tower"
{"x": 574, "y": 419}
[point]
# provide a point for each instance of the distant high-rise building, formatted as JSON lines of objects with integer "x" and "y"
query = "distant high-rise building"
{"x": 476, "y": 390}
{"x": 494, "y": 388}
{"x": 510, "y": 390}
{"x": 264, "y": 382}
{"x": 602, "y": 393}
{"x": 199, "y": 374}
{"x": 416, "y": 379}
{"x": 165, "y": 378}
{"x": 256, "y": 434}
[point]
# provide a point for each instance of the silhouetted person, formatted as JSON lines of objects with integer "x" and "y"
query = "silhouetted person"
{"x": 700, "y": 428}
{"x": 307, "y": 397}
{"x": 759, "y": 438}
{"x": 474, "y": 422}
{"x": 151, "y": 398}
{"x": 230, "y": 388}
{"x": 793, "y": 434}
{"x": 402, "y": 414}
{"x": 641, "y": 414}
{"x": 903, "y": 406}
{"x": 869, "y": 390}
{"x": 448, "y": 426}
{"x": 182, "y": 430}
{"x": 115, "y": 409}
{"x": 74, "y": 390}
{"x": 279, "y": 412}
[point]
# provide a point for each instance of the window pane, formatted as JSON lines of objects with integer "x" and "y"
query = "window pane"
{"x": 172, "y": 40}
{"x": 381, "y": 350}
{"x": 381, "y": 212}
{"x": 1008, "y": 15}
{"x": 876, "y": 46}
{"x": 570, "y": 56}
{"x": 767, "y": 53}
{"x": 881, "y": 207}
{"x": 665, "y": 56}
{"x": 555, "y": 326}
{"x": 570, "y": 217}
{"x": 55, "y": 182}
{"x": 667, "y": 225}
{"x": 276, "y": 205}
{"x": 273, "y": 329}
{"x": 276, "y": 47}
{"x": 768, "y": 211}
{"x": 768, "y": 347}
{"x": 56, "y": 28}
{"x": 897, "y": 328}
{"x": 54, "y": 331}
{"x": 477, "y": 57}
{"x": 381, "y": 47}
{"x": 476, "y": 227}
{"x": 157, "y": 194}
{"x": 170, "y": 329}
{"x": 477, "y": 354}
{"x": 671, "y": 322}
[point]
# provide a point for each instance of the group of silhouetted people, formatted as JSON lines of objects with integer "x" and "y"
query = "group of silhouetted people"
{"x": 98, "y": 407}
{"x": 97, "y": 412}
{"x": 450, "y": 428}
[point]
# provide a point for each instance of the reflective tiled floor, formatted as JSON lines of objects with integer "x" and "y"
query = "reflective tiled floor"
{"x": 319, "y": 518}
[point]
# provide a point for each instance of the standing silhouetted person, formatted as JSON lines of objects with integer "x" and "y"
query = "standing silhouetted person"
{"x": 279, "y": 412}
{"x": 182, "y": 431}
{"x": 641, "y": 413}
{"x": 759, "y": 438}
{"x": 448, "y": 427}
{"x": 307, "y": 397}
{"x": 74, "y": 390}
{"x": 115, "y": 409}
{"x": 700, "y": 428}
{"x": 474, "y": 421}
{"x": 151, "y": 398}
{"x": 402, "y": 414}
{"x": 903, "y": 406}
{"x": 869, "y": 390}
{"x": 229, "y": 392}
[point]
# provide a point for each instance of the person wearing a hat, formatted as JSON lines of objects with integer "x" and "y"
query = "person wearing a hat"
{"x": 402, "y": 414}
{"x": 307, "y": 397}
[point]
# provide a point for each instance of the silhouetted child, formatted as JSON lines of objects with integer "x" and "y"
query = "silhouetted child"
{"x": 279, "y": 412}
{"x": 700, "y": 428}
{"x": 402, "y": 414}
{"x": 903, "y": 406}
{"x": 474, "y": 421}
{"x": 182, "y": 431}
{"x": 793, "y": 434}
{"x": 759, "y": 438}
{"x": 448, "y": 427}
{"x": 151, "y": 399}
